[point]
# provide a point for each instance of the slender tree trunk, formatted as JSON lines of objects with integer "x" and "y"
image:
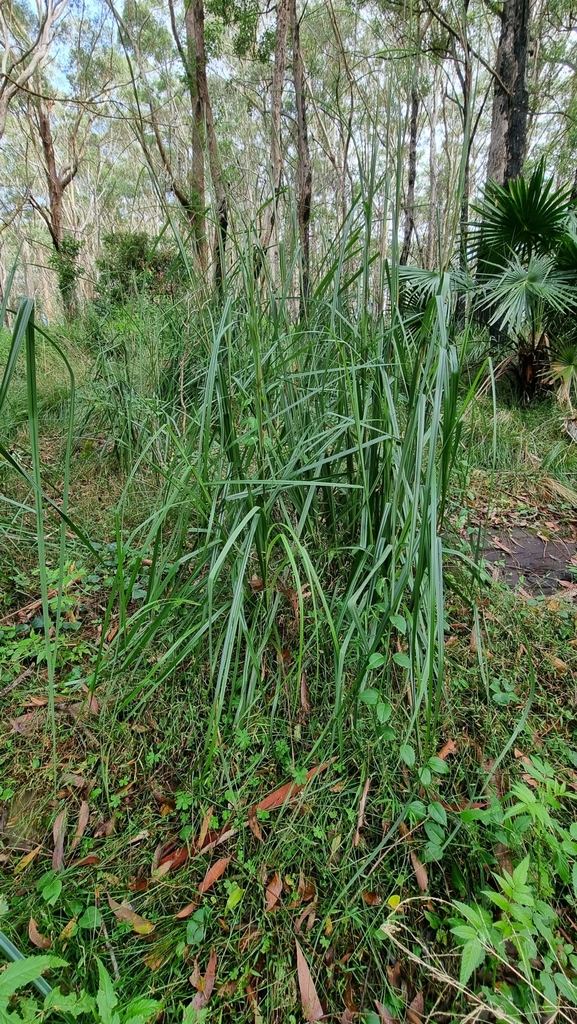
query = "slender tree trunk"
{"x": 197, "y": 7}
{"x": 304, "y": 168}
{"x": 410, "y": 204}
{"x": 510, "y": 98}
{"x": 53, "y": 181}
{"x": 433, "y": 212}
{"x": 275, "y": 128}
{"x": 198, "y": 180}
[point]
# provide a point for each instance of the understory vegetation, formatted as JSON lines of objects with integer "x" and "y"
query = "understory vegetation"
{"x": 276, "y": 741}
{"x": 288, "y": 512}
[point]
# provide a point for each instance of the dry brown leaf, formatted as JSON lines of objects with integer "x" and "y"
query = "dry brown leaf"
{"x": 59, "y": 835}
{"x": 561, "y": 667}
{"x": 204, "y": 828}
{"x": 416, "y": 1010}
{"x": 308, "y": 915}
{"x": 23, "y": 724}
{"x": 361, "y": 816}
{"x": 348, "y": 1016}
{"x": 385, "y": 1016}
{"x": 273, "y": 891}
{"x": 450, "y": 747}
{"x": 91, "y": 701}
{"x": 372, "y": 899}
{"x": 310, "y": 1002}
{"x": 67, "y": 931}
{"x": 154, "y": 961}
{"x": 227, "y": 990}
{"x": 105, "y": 829}
{"x": 213, "y": 874}
{"x": 256, "y": 584}
{"x": 395, "y": 975}
{"x": 38, "y": 940}
{"x": 91, "y": 861}
{"x": 23, "y": 864}
{"x": 254, "y": 825}
{"x": 420, "y": 872}
{"x": 139, "y": 925}
{"x": 186, "y": 911}
{"x": 206, "y": 984}
{"x": 251, "y": 935}
{"x": 83, "y": 816}
{"x": 288, "y": 791}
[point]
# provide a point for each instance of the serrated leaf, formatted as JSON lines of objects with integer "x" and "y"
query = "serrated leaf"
{"x": 106, "y": 998}
{"x": 438, "y": 812}
{"x": 472, "y": 956}
{"x": 22, "y": 972}
{"x": 566, "y": 987}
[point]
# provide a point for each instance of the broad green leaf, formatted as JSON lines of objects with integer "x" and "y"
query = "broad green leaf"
{"x": 566, "y": 987}
{"x": 408, "y": 754}
{"x": 370, "y": 696}
{"x": 69, "y": 1003}
{"x": 106, "y": 998}
{"x": 472, "y": 956}
{"x": 383, "y": 712}
{"x": 377, "y": 661}
{"x": 399, "y": 623}
{"x": 402, "y": 659}
{"x": 90, "y": 919}
{"x": 438, "y": 812}
{"x": 22, "y": 972}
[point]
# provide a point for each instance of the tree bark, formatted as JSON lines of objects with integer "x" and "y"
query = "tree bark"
{"x": 204, "y": 131}
{"x": 410, "y": 204}
{"x": 275, "y": 127}
{"x": 304, "y": 167}
{"x": 510, "y": 97}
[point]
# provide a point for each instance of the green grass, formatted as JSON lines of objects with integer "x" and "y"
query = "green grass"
{"x": 265, "y": 567}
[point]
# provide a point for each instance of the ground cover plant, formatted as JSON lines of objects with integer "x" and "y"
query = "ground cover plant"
{"x": 276, "y": 744}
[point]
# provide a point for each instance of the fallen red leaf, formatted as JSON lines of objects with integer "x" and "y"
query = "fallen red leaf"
{"x": 310, "y": 1002}
{"x": 213, "y": 874}
{"x": 204, "y": 828}
{"x": 385, "y": 1016}
{"x": 372, "y": 899}
{"x": 59, "y": 835}
{"x": 450, "y": 747}
{"x": 420, "y": 872}
{"x": 91, "y": 700}
{"x": 416, "y": 1010}
{"x": 254, "y": 825}
{"x": 288, "y": 791}
{"x": 83, "y": 816}
{"x": 309, "y": 915}
{"x": 206, "y": 984}
{"x": 86, "y": 862}
{"x": 186, "y": 911}
{"x": 38, "y": 940}
{"x": 105, "y": 829}
{"x": 273, "y": 891}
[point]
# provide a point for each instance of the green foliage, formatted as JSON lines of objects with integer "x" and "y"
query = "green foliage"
{"x": 526, "y": 217}
{"x": 132, "y": 263}
{"x": 65, "y": 263}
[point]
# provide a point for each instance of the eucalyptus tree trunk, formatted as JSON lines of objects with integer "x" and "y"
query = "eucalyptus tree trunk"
{"x": 204, "y": 122}
{"x": 433, "y": 212}
{"x": 508, "y": 144}
{"x": 410, "y": 204}
{"x": 276, "y": 164}
{"x": 304, "y": 167}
